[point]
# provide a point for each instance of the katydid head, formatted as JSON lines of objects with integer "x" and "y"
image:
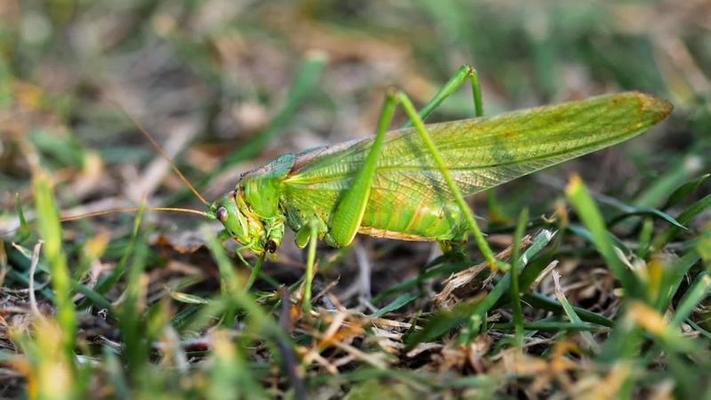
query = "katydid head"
{"x": 251, "y": 213}
{"x": 240, "y": 222}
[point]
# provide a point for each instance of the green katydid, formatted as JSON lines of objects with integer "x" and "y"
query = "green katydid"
{"x": 410, "y": 184}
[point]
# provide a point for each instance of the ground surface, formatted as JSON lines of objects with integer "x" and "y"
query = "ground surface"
{"x": 152, "y": 307}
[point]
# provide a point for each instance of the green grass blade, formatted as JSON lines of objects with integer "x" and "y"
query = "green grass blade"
{"x": 136, "y": 345}
{"x": 550, "y": 326}
{"x": 654, "y": 323}
{"x": 643, "y": 211}
{"x": 51, "y": 232}
{"x": 592, "y": 218}
{"x": 515, "y": 271}
{"x": 24, "y": 230}
{"x": 683, "y": 191}
{"x": 443, "y": 321}
{"x": 399, "y": 302}
{"x": 699, "y": 290}
{"x": 685, "y": 217}
{"x": 645, "y": 238}
{"x": 545, "y": 303}
{"x": 656, "y": 194}
{"x": 93, "y": 297}
{"x": 586, "y": 234}
{"x": 673, "y": 277}
{"x": 703, "y": 246}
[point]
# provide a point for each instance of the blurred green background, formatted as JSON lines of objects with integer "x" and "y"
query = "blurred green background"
{"x": 217, "y": 73}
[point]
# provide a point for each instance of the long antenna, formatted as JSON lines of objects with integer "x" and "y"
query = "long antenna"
{"x": 133, "y": 209}
{"x": 68, "y": 218}
{"x": 162, "y": 152}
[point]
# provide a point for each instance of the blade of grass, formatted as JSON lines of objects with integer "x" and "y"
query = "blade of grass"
{"x": 683, "y": 191}
{"x": 24, "y": 279}
{"x": 24, "y": 230}
{"x": 136, "y": 347}
{"x": 645, "y": 238}
{"x": 627, "y": 210}
{"x": 51, "y": 232}
{"x": 235, "y": 296}
{"x": 50, "y": 370}
{"x": 641, "y": 212}
{"x": 515, "y": 293}
{"x": 673, "y": 277}
{"x": 396, "y": 304}
{"x": 545, "y": 303}
{"x": 698, "y": 291}
{"x": 685, "y": 217}
{"x": 688, "y": 380}
{"x": 623, "y": 343}
{"x": 551, "y": 326}
{"x": 654, "y": 195}
{"x": 703, "y": 246}
{"x": 584, "y": 233}
{"x": 443, "y": 321}
{"x": 588, "y": 211}
{"x": 93, "y": 297}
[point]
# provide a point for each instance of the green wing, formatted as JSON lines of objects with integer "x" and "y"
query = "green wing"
{"x": 480, "y": 153}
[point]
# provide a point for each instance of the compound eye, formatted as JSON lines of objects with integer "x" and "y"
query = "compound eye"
{"x": 222, "y": 214}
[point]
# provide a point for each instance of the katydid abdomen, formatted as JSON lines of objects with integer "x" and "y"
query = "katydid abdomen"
{"x": 409, "y": 198}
